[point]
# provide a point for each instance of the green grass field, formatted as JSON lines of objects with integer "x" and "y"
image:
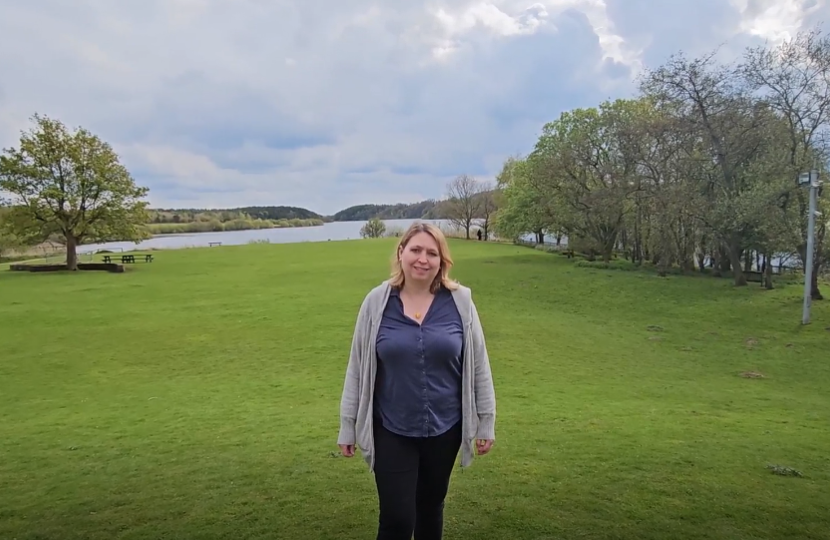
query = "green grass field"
{"x": 197, "y": 398}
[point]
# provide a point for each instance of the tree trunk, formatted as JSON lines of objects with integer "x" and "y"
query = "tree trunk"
{"x": 637, "y": 252}
{"x": 735, "y": 260}
{"x": 624, "y": 243}
{"x": 639, "y": 256}
{"x": 663, "y": 264}
{"x": 607, "y": 251}
{"x": 818, "y": 262}
{"x": 701, "y": 261}
{"x": 724, "y": 263}
{"x": 715, "y": 264}
{"x": 815, "y": 293}
{"x": 768, "y": 272}
{"x": 71, "y": 252}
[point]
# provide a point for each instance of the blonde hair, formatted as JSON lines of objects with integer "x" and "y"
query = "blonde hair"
{"x": 443, "y": 277}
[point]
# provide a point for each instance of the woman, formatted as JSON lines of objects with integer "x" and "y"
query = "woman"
{"x": 418, "y": 386}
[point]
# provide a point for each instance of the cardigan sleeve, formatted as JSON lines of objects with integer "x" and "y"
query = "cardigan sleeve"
{"x": 349, "y": 399}
{"x": 485, "y": 394}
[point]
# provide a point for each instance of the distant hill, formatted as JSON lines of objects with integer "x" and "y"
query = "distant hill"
{"x": 167, "y": 215}
{"x": 199, "y": 220}
{"x": 279, "y": 212}
{"x": 429, "y": 209}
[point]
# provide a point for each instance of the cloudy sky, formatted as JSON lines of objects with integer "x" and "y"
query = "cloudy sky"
{"x": 328, "y": 103}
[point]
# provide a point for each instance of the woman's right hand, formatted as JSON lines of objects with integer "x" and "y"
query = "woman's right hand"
{"x": 346, "y": 449}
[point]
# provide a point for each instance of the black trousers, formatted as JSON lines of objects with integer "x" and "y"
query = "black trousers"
{"x": 412, "y": 475}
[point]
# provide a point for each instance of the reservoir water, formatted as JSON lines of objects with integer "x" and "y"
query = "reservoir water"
{"x": 339, "y": 230}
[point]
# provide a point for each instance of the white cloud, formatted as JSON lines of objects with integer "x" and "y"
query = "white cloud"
{"x": 325, "y": 104}
{"x": 776, "y": 20}
{"x": 494, "y": 19}
{"x": 507, "y": 18}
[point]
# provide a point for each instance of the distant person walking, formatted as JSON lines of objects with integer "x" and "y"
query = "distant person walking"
{"x": 479, "y": 235}
{"x": 418, "y": 386}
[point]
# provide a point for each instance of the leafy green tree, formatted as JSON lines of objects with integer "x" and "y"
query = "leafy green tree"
{"x": 793, "y": 79}
{"x": 718, "y": 110}
{"x": 700, "y": 169}
{"x": 374, "y": 228}
{"x": 71, "y": 184}
{"x": 588, "y": 161}
{"x": 524, "y": 208}
{"x": 8, "y": 240}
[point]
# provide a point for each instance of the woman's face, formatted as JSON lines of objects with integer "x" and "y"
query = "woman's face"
{"x": 420, "y": 259}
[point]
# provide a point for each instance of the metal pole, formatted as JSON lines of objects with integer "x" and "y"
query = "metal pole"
{"x": 811, "y": 226}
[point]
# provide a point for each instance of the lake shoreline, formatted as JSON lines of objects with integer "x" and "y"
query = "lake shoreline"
{"x": 328, "y": 231}
{"x": 198, "y": 227}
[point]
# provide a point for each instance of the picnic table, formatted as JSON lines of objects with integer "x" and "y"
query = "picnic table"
{"x": 129, "y": 258}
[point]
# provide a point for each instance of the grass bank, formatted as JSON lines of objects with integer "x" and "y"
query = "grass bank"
{"x": 197, "y": 397}
{"x": 215, "y": 225}
{"x": 41, "y": 251}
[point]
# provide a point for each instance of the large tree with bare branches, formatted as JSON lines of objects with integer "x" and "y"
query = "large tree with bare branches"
{"x": 464, "y": 202}
{"x": 699, "y": 170}
{"x": 794, "y": 79}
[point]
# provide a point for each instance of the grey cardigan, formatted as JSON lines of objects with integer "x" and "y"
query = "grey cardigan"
{"x": 478, "y": 399}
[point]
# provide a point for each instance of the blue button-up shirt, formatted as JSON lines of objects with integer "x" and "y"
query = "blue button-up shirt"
{"x": 418, "y": 385}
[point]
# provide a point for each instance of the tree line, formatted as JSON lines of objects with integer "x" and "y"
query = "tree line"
{"x": 697, "y": 171}
{"x": 428, "y": 209}
{"x": 178, "y": 221}
{"x": 275, "y": 213}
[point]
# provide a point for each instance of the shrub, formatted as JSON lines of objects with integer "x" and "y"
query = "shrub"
{"x": 374, "y": 228}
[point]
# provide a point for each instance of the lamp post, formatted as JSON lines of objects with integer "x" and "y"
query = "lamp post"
{"x": 810, "y": 179}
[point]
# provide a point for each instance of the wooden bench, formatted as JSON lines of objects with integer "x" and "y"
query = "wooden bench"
{"x": 753, "y": 276}
{"x": 211, "y": 244}
{"x": 129, "y": 258}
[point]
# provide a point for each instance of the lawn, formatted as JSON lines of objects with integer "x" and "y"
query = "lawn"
{"x": 197, "y": 398}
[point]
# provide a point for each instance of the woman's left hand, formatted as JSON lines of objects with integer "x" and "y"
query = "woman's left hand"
{"x": 483, "y": 446}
